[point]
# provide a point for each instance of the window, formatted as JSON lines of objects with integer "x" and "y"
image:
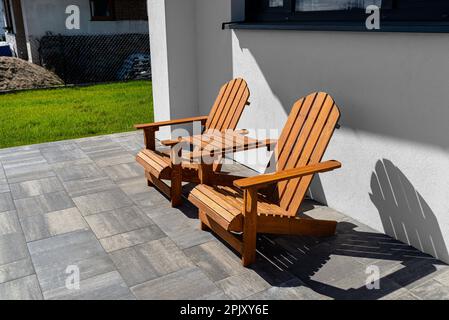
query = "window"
{"x": 102, "y": 9}
{"x": 346, "y": 10}
{"x": 8, "y": 16}
{"x": 131, "y": 9}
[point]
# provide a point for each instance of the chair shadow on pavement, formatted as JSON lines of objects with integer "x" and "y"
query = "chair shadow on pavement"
{"x": 340, "y": 267}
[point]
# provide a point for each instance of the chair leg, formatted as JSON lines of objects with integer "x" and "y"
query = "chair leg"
{"x": 149, "y": 183}
{"x": 176, "y": 186}
{"x": 249, "y": 227}
{"x": 249, "y": 248}
{"x": 203, "y": 226}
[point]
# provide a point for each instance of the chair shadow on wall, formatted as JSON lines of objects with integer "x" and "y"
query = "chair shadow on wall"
{"x": 404, "y": 213}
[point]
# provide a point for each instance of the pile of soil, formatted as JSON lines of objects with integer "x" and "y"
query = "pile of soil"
{"x": 17, "y": 74}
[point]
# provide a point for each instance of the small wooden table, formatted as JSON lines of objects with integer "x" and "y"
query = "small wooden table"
{"x": 211, "y": 146}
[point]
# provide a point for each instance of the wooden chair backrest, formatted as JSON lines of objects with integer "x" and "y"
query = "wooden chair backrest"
{"x": 303, "y": 141}
{"x": 229, "y": 106}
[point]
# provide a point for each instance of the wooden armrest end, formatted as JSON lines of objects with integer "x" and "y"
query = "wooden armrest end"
{"x": 157, "y": 125}
{"x": 270, "y": 178}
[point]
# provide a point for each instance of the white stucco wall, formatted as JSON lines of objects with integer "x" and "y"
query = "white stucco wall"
{"x": 2, "y": 20}
{"x": 392, "y": 91}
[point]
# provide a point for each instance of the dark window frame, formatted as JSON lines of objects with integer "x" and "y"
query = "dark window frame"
{"x": 8, "y": 17}
{"x": 394, "y": 11}
{"x": 111, "y": 5}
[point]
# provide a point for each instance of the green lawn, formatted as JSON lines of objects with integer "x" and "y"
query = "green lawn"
{"x": 37, "y": 116}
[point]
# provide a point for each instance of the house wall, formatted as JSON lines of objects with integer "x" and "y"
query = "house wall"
{"x": 392, "y": 92}
{"x": 2, "y": 20}
{"x": 44, "y": 16}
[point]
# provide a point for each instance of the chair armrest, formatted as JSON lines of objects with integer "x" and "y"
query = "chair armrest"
{"x": 170, "y": 143}
{"x": 243, "y": 132}
{"x": 156, "y": 125}
{"x": 270, "y": 178}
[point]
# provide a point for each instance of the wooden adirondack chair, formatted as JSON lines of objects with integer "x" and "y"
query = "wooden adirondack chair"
{"x": 225, "y": 115}
{"x": 237, "y": 213}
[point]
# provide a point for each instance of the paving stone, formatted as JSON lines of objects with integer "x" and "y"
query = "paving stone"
{"x": 78, "y": 172}
{"x": 12, "y": 242}
{"x": 186, "y": 284}
{"x": 62, "y": 153}
{"x": 4, "y": 186}
{"x": 2, "y": 172}
{"x": 30, "y": 172}
{"x": 108, "y": 286}
{"x": 34, "y": 188}
{"x": 53, "y": 223}
{"x": 216, "y": 260}
{"x": 443, "y": 276}
{"x": 52, "y": 256}
{"x": 143, "y": 195}
{"x": 102, "y": 201}
{"x": 6, "y": 202}
{"x": 117, "y": 221}
{"x": 132, "y": 238}
{"x": 243, "y": 285}
{"x": 110, "y": 155}
{"x": 77, "y": 188}
{"x": 415, "y": 272}
{"x": 294, "y": 289}
{"x": 431, "y": 290}
{"x": 400, "y": 294}
{"x": 116, "y": 160}
{"x": 318, "y": 211}
{"x": 183, "y": 231}
{"x": 96, "y": 144}
{"x": 15, "y": 270}
{"x": 45, "y": 203}
{"x": 149, "y": 261}
{"x": 26, "y": 288}
{"x": 132, "y": 142}
{"x": 25, "y": 166}
{"x": 124, "y": 171}
{"x": 21, "y": 158}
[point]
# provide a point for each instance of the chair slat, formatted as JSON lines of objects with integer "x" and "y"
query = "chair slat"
{"x": 305, "y": 157}
{"x": 217, "y": 104}
{"x": 303, "y": 141}
{"x": 216, "y": 115}
{"x": 293, "y": 150}
{"x": 235, "y": 111}
{"x": 229, "y": 106}
{"x": 220, "y": 120}
{"x": 316, "y": 157}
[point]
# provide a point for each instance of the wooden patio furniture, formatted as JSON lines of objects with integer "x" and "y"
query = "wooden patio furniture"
{"x": 159, "y": 165}
{"x": 269, "y": 203}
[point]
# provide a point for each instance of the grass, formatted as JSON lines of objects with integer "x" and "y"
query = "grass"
{"x": 37, "y": 116}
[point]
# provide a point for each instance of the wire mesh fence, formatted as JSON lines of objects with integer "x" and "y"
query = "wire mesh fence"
{"x": 83, "y": 59}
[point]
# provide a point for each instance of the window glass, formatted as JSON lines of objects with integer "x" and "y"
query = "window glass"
{"x": 334, "y": 5}
{"x": 276, "y": 3}
{"x": 101, "y": 8}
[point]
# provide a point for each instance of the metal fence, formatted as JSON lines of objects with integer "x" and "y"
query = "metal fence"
{"x": 96, "y": 58}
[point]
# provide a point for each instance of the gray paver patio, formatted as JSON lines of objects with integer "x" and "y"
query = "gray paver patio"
{"x": 85, "y": 203}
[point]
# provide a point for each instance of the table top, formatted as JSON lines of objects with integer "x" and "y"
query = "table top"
{"x": 214, "y": 143}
